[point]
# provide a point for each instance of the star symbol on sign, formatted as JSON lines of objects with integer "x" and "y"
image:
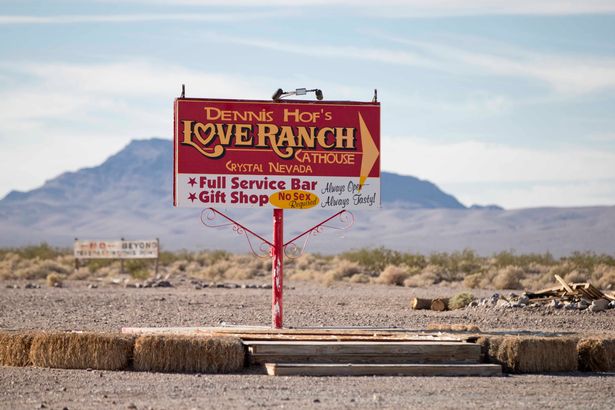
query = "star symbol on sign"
{"x": 192, "y": 181}
{"x": 192, "y": 197}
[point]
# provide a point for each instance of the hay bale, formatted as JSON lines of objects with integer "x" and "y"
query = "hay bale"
{"x": 82, "y": 351}
{"x": 457, "y": 327}
{"x": 185, "y": 354}
{"x": 15, "y": 348}
{"x": 596, "y": 354}
{"x": 530, "y": 354}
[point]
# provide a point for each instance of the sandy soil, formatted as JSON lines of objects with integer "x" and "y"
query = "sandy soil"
{"x": 110, "y": 307}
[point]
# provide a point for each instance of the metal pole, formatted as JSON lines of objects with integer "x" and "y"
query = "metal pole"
{"x": 277, "y": 274}
{"x": 157, "y": 254}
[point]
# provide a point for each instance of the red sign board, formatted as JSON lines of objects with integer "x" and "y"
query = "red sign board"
{"x": 276, "y": 154}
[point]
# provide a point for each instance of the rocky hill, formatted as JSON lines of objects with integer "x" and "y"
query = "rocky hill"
{"x": 130, "y": 195}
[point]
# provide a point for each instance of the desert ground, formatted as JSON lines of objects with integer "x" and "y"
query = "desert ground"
{"x": 108, "y": 307}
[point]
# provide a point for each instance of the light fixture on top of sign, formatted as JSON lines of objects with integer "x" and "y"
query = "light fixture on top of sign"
{"x": 279, "y": 94}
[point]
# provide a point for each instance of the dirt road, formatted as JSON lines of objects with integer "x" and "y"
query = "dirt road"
{"x": 110, "y": 307}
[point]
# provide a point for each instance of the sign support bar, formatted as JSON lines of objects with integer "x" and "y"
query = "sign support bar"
{"x": 277, "y": 249}
{"x": 277, "y": 268}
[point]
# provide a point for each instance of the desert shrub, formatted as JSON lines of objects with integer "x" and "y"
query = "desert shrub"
{"x": 509, "y": 258}
{"x": 138, "y": 268}
{"x": 54, "y": 280}
{"x": 460, "y": 300}
{"x": 428, "y": 276}
{"x": 212, "y": 257}
{"x": 588, "y": 260}
{"x": 604, "y": 277}
{"x": 373, "y": 260}
{"x": 306, "y": 275}
{"x": 360, "y": 278}
{"x": 217, "y": 270}
{"x": 37, "y": 269}
{"x": 166, "y": 258}
{"x": 42, "y": 251}
{"x": 508, "y": 278}
{"x": 473, "y": 280}
{"x": 577, "y": 276}
{"x": 94, "y": 265}
{"x": 394, "y": 275}
{"x": 343, "y": 269}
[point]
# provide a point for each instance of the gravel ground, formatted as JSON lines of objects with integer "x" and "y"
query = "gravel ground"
{"x": 110, "y": 307}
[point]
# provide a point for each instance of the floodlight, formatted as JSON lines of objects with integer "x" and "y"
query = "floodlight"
{"x": 279, "y": 94}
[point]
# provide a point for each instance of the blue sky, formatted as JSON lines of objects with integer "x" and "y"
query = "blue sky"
{"x": 495, "y": 102}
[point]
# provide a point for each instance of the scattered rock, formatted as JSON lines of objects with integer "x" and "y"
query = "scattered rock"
{"x": 92, "y": 286}
{"x": 162, "y": 284}
{"x": 502, "y": 304}
{"x": 599, "y": 305}
{"x": 555, "y": 304}
{"x": 571, "y": 305}
{"x": 523, "y": 300}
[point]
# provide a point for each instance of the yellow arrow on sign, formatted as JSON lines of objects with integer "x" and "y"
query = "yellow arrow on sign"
{"x": 370, "y": 152}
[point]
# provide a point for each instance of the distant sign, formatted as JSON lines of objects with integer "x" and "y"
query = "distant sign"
{"x": 292, "y": 155}
{"x": 145, "y": 249}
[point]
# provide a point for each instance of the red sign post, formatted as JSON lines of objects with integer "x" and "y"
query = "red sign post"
{"x": 276, "y": 154}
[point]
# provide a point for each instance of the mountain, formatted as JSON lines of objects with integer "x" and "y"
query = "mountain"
{"x": 130, "y": 195}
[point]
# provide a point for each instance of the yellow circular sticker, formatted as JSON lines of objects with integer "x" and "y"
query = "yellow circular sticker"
{"x": 294, "y": 199}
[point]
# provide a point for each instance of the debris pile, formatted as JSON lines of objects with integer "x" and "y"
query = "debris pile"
{"x": 568, "y": 296}
{"x": 573, "y": 296}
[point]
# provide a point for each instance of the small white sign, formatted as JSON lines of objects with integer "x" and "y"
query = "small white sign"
{"x": 140, "y": 249}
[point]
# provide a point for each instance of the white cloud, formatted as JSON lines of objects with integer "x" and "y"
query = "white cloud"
{"x": 565, "y": 74}
{"x": 139, "y": 17}
{"x": 322, "y": 50}
{"x": 419, "y": 8}
{"x": 478, "y": 172}
{"x": 61, "y": 117}
{"x": 535, "y": 194}
{"x": 474, "y": 161}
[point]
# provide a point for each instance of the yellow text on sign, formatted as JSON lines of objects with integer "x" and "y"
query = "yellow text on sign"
{"x": 294, "y": 199}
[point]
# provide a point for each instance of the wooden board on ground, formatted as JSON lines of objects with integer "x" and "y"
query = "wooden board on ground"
{"x": 248, "y": 333}
{"x": 564, "y": 284}
{"x": 303, "y": 369}
{"x": 363, "y": 352}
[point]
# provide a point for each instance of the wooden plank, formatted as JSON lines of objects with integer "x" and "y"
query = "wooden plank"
{"x": 594, "y": 291}
{"x": 319, "y": 338}
{"x": 267, "y": 333}
{"x": 290, "y": 369}
{"x": 365, "y": 359}
{"x": 326, "y": 347}
{"x": 363, "y": 352}
{"x": 564, "y": 284}
{"x": 585, "y": 294}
